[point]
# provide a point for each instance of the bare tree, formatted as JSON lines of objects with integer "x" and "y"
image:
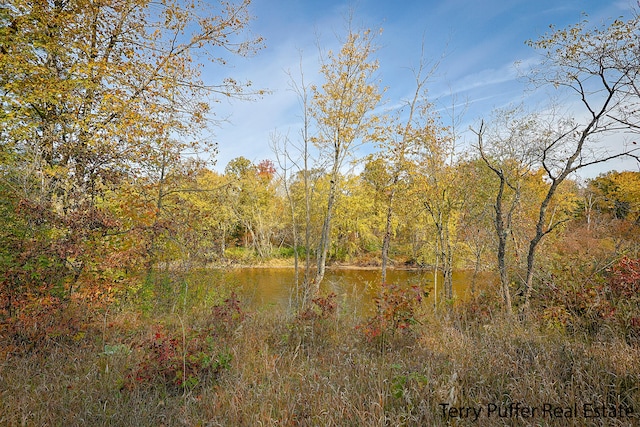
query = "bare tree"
{"x": 602, "y": 67}
{"x": 505, "y": 149}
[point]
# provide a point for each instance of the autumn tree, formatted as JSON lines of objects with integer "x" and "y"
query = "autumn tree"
{"x": 601, "y": 67}
{"x": 505, "y": 149}
{"x": 294, "y": 160}
{"x": 252, "y": 199}
{"x": 211, "y": 197}
{"x": 476, "y": 220}
{"x": 87, "y": 86}
{"x": 611, "y": 206}
{"x": 92, "y": 93}
{"x": 617, "y": 194}
{"x": 355, "y": 221}
{"x": 441, "y": 196}
{"x": 342, "y": 109}
{"x": 384, "y": 182}
{"x": 280, "y": 147}
{"x": 398, "y": 142}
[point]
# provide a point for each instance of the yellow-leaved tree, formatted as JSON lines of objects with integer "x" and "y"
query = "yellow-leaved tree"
{"x": 96, "y": 94}
{"x": 342, "y": 109}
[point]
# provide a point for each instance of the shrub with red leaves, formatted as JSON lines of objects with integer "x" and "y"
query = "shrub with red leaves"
{"x": 321, "y": 307}
{"x": 396, "y": 309}
{"x": 625, "y": 278}
{"x": 183, "y": 358}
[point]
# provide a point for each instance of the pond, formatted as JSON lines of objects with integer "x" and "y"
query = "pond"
{"x": 261, "y": 287}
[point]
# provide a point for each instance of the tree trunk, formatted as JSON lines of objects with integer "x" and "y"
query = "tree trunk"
{"x": 533, "y": 244}
{"x": 502, "y": 233}
{"x": 448, "y": 272}
{"x": 386, "y": 241}
{"x": 325, "y": 237}
{"x": 307, "y": 226}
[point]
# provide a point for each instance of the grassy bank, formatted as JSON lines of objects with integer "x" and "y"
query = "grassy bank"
{"x": 223, "y": 366}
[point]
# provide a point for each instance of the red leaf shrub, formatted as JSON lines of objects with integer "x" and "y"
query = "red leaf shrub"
{"x": 396, "y": 310}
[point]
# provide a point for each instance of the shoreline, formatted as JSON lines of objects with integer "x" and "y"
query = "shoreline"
{"x": 328, "y": 267}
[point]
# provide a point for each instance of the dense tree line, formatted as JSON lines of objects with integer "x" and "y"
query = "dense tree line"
{"x": 102, "y": 112}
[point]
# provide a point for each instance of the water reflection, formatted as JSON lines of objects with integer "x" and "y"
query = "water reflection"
{"x": 262, "y": 288}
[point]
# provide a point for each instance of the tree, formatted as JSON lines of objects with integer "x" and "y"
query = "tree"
{"x": 95, "y": 93}
{"x": 88, "y": 86}
{"x": 300, "y": 162}
{"x": 618, "y": 194}
{"x": 354, "y": 221}
{"x": 383, "y": 177}
{"x": 476, "y": 220}
{"x": 601, "y": 66}
{"x": 342, "y": 109}
{"x": 440, "y": 195}
{"x": 398, "y": 143}
{"x": 506, "y": 150}
{"x": 252, "y": 197}
{"x": 211, "y": 196}
{"x": 612, "y": 207}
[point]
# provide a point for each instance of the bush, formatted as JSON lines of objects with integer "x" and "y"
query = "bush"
{"x": 178, "y": 361}
{"x": 240, "y": 255}
{"x": 45, "y": 323}
{"x": 622, "y": 293}
{"x": 396, "y": 311}
{"x": 609, "y": 300}
{"x": 313, "y": 326}
{"x": 182, "y": 358}
{"x": 321, "y": 308}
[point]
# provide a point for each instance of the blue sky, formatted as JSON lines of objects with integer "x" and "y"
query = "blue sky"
{"x": 477, "y": 43}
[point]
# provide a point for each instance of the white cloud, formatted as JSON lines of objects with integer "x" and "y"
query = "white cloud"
{"x": 480, "y": 42}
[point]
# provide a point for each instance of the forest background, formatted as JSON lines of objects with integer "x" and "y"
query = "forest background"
{"x": 108, "y": 202}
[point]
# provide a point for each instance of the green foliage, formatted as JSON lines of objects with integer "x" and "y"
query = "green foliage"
{"x": 287, "y": 252}
{"x": 240, "y": 254}
{"x": 182, "y": 358}
{"x": 402, "y": 383}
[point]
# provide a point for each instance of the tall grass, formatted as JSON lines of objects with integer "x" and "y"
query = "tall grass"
{"x": 273, "y": 368}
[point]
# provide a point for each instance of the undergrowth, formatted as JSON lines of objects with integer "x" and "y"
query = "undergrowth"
{"x": 223, "y": 366}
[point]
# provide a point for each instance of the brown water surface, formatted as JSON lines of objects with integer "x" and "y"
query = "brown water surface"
{"x": 261, "y": 288}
